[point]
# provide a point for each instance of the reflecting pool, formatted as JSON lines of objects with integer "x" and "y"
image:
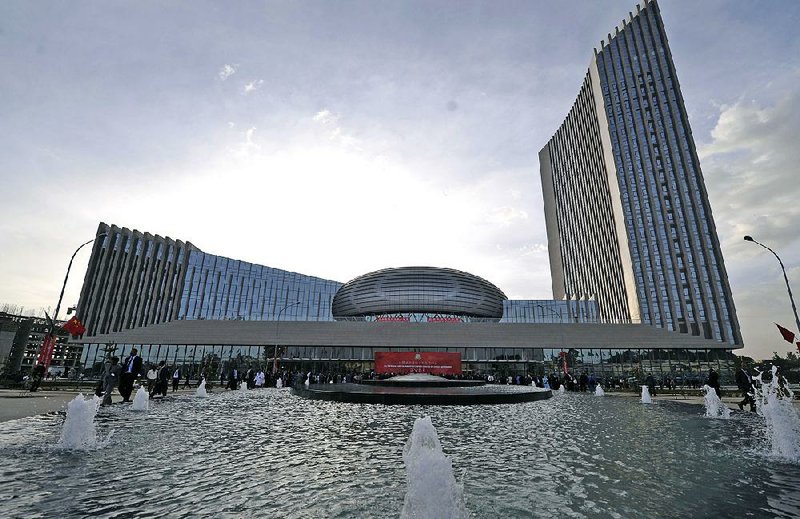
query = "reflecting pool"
{"x": 269, "y": 453}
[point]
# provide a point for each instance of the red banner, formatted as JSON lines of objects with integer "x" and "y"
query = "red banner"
{"x": 563, "y": 355}
{"x": 444, "y": 320}
{"x": 46, "y": 353}
{"x": 433, "y": 362}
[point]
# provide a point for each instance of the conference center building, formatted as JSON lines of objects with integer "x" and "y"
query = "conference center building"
{"x": 209, "y": 314}
{"x": 639, "y": 283}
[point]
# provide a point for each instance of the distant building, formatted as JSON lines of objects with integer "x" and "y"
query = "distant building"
{"x": 139, "y": 279}
{"x": 628, "y": 218}
{"x": 21, "y": 340}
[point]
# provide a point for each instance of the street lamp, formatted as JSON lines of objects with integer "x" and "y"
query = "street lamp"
{"x": 785, "y": 278}
{"x": 277, "y": 323}
{"x": 50, "y": 336}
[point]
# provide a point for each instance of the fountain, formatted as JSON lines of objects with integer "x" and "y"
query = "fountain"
{"x": 243, "y": 388}
{"x": 201, "y": 390}
{"x": 79, "y": 430}
{"x": 423, "y": 388}
{"x": 782, "y": 424}
{"x": 562, "y": 389}
{"x": 531, "y": 459}
{"x": 307, "y": 383}
{"x": 432, "y": 488}
{"x": 142, "y": 400}
{"x": 279, "y": 383}
{"x": 714, "y": 406}
{"x": 598, "y": 391}
{"x": 646, "y": 399}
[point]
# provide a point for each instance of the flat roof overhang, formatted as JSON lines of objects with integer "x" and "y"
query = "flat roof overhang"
{"x": 407, "y": 335}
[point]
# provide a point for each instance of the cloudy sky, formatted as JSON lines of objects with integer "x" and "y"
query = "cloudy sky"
{"x": 335, "y": 138}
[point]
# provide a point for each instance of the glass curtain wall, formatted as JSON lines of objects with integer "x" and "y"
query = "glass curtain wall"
{"x": 679, "y": 368}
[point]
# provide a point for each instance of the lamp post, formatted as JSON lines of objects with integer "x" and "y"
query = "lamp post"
{"x": 50, "y": 337}
{"x": 277, "y": 323}
{"x": 785, "y": 278}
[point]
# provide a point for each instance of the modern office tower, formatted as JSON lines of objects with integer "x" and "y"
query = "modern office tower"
{"x": 628, "y": 218}
{"x": 138, "y": 279}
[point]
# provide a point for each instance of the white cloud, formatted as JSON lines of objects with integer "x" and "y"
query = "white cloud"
{"x": 751, "y": 167}
{"x": 247, "y": 147}
{"x": 752, "y": 163}
{"x": 325, "y": 117}
{"x": 227, "y": 71}
{"x": 252, "y": 86}
{"x": 505, "y": 216}
{"x": 334, "y": 132}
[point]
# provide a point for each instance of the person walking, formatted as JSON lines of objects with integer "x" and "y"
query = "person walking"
{"x": 713, "y": 381}
{"x": 745, "y": 383}
{"x": 650, "y": 382}
{"x": 176, "y": 379}
{"x": 163, "y": 378}
{"x": 233, "y": 380}
{"x": 152, "y": 375}
{"x": 130, "y": 372}
{"x": 37, "y": 375}
{"x": 111, "y": 376}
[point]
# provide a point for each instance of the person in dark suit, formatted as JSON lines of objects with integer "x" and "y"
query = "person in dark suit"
{"x": 713, "y": 381}
{"x": 233, "y": 379}
{"x": 164, "y": 374}
{"x": 176, "y": 379}
{"x": 131, "y": 370}
{"x": 745, "y": 383}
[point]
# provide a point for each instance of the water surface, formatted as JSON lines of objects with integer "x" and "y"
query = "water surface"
{"x": 269, "y": 453}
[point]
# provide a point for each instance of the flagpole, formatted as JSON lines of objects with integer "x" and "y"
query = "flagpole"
{"x": 52, "y": 328}
{"x": 785, "y": 278}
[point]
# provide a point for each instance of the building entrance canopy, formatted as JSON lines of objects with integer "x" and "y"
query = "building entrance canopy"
{"x": 405, "y": 335}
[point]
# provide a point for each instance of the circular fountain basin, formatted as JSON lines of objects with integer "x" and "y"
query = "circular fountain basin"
{"x": 423, "y": 389}
{"x": 422, "y": 380}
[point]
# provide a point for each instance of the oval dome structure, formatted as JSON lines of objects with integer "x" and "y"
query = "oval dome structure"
{"x": 428, "y": 290}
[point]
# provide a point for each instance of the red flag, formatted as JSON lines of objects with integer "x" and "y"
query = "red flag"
{"x": 74, "y": 327}
{"x": 798, "y": 346}
{"x": 788, "y": 335}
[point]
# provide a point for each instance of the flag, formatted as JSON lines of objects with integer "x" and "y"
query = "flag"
{"x": 46, "y": 353}
{"x": 74, "y": 327}
{"x": 788, "y": 335}
{"x": 798, "y": 346}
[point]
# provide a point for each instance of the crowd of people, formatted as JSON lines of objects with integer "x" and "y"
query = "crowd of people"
{"x": 123, "y": 376}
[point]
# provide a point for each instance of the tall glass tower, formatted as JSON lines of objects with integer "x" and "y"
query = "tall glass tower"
{"x": 628, "y": 217}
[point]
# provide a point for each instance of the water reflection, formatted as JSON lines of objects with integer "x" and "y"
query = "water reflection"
{"x": 274, "y": 454}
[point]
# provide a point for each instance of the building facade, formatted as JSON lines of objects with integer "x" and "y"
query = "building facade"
{"x": 137, "y": 279}
{"x": 21, "y": 340}
{"x": 628, "y": 218}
